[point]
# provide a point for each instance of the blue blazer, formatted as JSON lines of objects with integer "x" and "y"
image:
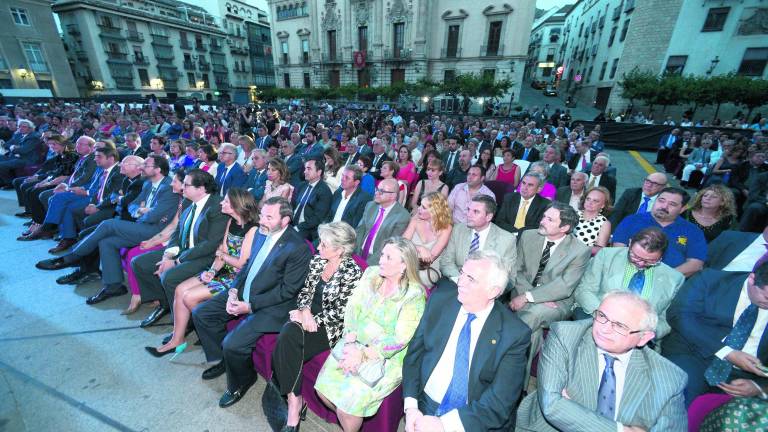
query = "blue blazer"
{"x": 236, "y": 177}
{"x": 164, "y": 204}
{"x": 702, "y": 315}
{"x": 727, "y": 246}
{"x": 353, "y": 212}
{"x": 296, "y": 169}
{"x": 256, "y": 183}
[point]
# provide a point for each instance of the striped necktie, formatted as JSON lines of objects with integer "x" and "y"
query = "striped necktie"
{"x": 543, "y": 262}
{"x": 475, "y": 245}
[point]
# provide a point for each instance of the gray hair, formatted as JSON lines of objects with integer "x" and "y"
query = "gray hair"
{"x": 497, "y": 272}
{"x": 338, "y": 235}
{"x": 581, "y": 173}
{"x": 228, "y": 146}
{"x": 605, "y": 158}
{"x": 540, "y": 178}
{"x": 26, "y": 122}
{"x": 651, "y": 318}
{"x": 543, "y": 165}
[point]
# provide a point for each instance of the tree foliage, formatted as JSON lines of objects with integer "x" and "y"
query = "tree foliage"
{"x": 673, "y": 89}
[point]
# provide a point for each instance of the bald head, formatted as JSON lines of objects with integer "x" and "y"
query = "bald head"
{"x": 654, "y": 183}
{"x": 386, "y": 192}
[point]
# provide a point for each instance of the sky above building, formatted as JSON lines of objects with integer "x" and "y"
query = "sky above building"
{"x": 548, "y": 4}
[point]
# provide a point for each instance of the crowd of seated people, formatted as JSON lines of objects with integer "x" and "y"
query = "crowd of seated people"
{"x": 450, "y": 258}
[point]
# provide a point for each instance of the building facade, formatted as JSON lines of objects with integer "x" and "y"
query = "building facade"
{"x": 30, "y": 64}
{"x": 141, "y": 47}
{"x": 544, "y": 45}
{"x": 605, "y": 39}
{"x": 378, "y": 43}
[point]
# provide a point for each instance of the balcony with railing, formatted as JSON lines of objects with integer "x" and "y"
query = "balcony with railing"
{"x": 218, "y": 67}
{"x": 160, "y": 40}
{"x": 238, "y": 50}
{"x": 140, "y": 60}
{"x": 332, "y": 57}
{"x": 200, "y": 47}
{"x": 450, "y": 53}
{"x": 73, "y": 29}
{"x": 109, "y": 30}
{"x": 125, "y": 83}
{"x": 117, "y": 57}
{"x": 216, "y": 47}
{"x": 222, "y": 84}
{"x": 397, "y": 55}
{"x": 185, "y": 45}
{"x": 189, "y": 65}
{"x": 133, "y": 35}
{"x": 164, "y": 56}
{"x": 81, "y": 55}
{"x": 491, "y": 50}
{"x": 204, "y": 67}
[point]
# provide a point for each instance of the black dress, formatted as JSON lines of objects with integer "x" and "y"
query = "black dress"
{"x": 710, "y": 232}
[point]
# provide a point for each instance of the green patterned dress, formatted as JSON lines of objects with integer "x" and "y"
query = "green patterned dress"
{"x": 740, "y": 414}
{"x": 387, "y": 324}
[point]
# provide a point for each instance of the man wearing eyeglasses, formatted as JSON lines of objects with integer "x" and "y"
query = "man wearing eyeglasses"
{"x": 229, "y": 173}
{"x": 638, "y": 269}
{"x": 638, "y": 200}
{"x": 599, "y": 374}
{"x": 383, "y": 218}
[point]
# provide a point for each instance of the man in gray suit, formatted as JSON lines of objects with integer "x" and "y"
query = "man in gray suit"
{"x": 489, "y": 237}
{"x": 550, "y": 262}
{"x": 383, "y": 218}
{"x": 599, "y": 375}
{"x": 637, "y": 268}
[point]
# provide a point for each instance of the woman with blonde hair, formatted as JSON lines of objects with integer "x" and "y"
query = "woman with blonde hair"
{"x": 382, "y": 314}
{"x": 594, "y": 229}
{"x": 713, "y": 210}
{"x": 429, "y": 230}
{"x": 278, "y": 178}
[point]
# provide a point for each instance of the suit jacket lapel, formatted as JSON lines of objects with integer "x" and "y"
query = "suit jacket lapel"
{"x": 586, "y": 375}
{"x": 534, "y": 257}
{"x": 560, "y": 252}
{"x": 485, "y": 349}
{"x": 636, "y": 387}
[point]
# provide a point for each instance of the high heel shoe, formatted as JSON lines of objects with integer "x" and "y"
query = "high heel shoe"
{"x": 133, "y": 306}
{"x": 302, "y": 417}
{"x": 176, "y": 351}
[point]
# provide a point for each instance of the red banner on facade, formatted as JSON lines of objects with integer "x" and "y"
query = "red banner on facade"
{"x": 359, "y": 59}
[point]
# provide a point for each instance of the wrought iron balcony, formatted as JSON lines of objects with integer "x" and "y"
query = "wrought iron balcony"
{"x": 492, "y": 51}
{"x": 133, "y": 35}
{"x": 454, "y": 53}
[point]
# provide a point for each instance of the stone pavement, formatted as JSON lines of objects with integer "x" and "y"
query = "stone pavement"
{"x": 67, "y": 366}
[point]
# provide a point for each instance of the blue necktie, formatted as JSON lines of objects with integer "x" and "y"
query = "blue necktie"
{"x": 302, "y": 203}
{"x": 606, "y": 394}
{"x": 637, "y": 282}
{"x": 262, "y": 246}
{"x": 525, "y": 154}
{"x": 719, "y": 370}
{"x": 644, "y": 206}
{"x": 456, "y": 395}
{"x": 475, "y": 245}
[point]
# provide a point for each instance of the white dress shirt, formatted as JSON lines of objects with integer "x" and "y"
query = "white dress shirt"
{"x": 342, "y": 205}
{"x": 482, "y": 236}
{"x": 745, "y": 261}
{"x": 440, "y": 379}
{"x": 575, "y": 201}
{"x": 750, "y": 347}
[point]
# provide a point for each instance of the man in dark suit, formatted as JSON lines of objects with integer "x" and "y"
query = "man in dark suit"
{"x": 523, "y": 210}
{"x": 755, "y": 217}
{"x": 257, "y": 176}
{"x": 719, "y": 335}
{"x": 263, "y": 139}
{"x": 378, "y": 158}
{"x": 458, "y": 175}
{"x": 191, "y": 247}
{"x": 266, "y": 290}
{"x": 24, "y": 148}
{"x": 349, "y": 201}
{"x": 292, "y": 160}
{"x": 152, "y": 209}
{"x": 312, "y": 201}
{"x": 582, "y": 159}
{"x": 638, "y": 200}
{"x": 598, "y": 176}
{"x": 442, "y": 388}
{"x": 133, "y": 146}
{"x": 383, "y": 218}
{"x": 666, "y": 144}
{"x": 451, "y": 154}
{"x": 558, "y": 175}
{"x": 100, "y": 207}
{"x": 310, "y": 149}
{"x": 229, "y": 174}
{"x": 736, "y": 251}
{"x": 573, "y": 193}
{"x": 360, "y": 149}
{"x": 527, "y": 152}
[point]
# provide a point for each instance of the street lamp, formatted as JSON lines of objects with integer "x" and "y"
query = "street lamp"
{"x": 23, "y": 73}
{"x": 200, "y": 85}
{"x": 97, "y": 85}
{"x": 156, "y": 83}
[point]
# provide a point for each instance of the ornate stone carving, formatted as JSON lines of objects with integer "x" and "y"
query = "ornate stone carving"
{"x": 756, "y": 24}
{"x": 331, "y": 18}
{"x": 362, "y": 13}
{"x": 399, "y": 11}
{"x": 459, "y": 15}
